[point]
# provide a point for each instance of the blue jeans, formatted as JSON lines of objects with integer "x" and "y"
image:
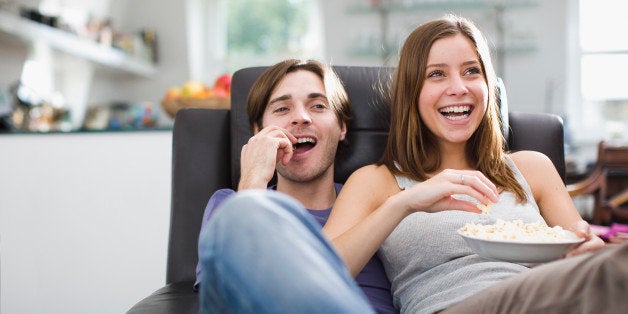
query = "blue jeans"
{"x": 263, "y": 253}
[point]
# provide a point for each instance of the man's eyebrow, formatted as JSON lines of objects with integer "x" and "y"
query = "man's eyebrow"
{"x": 317, "y": 95}
{"x": 288, "y": 96}
{"x": 280, "y": 98}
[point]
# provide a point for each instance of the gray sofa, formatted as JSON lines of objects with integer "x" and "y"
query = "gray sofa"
{"x": 206, "y": 157}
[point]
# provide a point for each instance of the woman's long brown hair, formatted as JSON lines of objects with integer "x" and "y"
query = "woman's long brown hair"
{"x": 412, "y": 149}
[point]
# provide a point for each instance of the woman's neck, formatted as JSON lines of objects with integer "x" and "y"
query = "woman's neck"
{"x": 453, "y": 156}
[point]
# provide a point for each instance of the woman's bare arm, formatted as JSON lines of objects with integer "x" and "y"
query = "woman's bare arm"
{"x": 371, "y": 205}
{"x": 550, "y": 194}
{"x": 359, "y": 223}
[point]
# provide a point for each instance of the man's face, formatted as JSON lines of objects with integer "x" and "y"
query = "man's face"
{"x": 299, "y": 104}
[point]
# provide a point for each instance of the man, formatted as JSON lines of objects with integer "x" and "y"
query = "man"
{"x": 261, "y": 252}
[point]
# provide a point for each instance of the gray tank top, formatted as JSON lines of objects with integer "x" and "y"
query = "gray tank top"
{"x": 431, "y": 267}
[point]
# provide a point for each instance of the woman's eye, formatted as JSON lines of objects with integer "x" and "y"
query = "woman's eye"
{"x": 473, "y": 70}
{"x": 437, "y": 73}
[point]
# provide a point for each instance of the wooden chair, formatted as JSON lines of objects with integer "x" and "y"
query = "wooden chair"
{"x": 608, "y": 183}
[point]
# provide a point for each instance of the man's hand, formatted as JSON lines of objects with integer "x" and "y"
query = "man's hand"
{"x": 261, "y": 154}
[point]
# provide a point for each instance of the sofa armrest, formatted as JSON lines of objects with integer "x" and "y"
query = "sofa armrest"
{"x": 174, "y": 298}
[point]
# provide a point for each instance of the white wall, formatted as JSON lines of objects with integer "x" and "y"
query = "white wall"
{"x": 84, "y": 221}
{"x": 10, "y": 71}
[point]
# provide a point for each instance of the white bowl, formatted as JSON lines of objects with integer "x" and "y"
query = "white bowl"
{"x": 520, "y": 252}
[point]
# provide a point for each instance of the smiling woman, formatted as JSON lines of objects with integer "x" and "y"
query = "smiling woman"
{"x": 225, "y": 36}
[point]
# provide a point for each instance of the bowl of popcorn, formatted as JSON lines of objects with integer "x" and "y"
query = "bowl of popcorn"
{"x": 519, "y": 242}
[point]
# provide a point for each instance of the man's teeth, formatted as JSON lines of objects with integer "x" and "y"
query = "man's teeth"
{"x": 306, "y": 140}
{"x": 302, "y": 140}
{"x": 455, "y": 109}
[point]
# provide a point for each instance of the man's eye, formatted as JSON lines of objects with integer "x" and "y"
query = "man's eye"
{"x": 280, "y": 109}
{"x": 319, "y": 106}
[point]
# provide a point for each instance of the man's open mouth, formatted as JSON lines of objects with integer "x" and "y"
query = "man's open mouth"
{"x": 304, "y": 144}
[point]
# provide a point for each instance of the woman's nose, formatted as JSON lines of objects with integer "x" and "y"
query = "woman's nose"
{"x": 457, "y": 86}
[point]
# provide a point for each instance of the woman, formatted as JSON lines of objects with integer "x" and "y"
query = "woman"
{"x": 445, "y": 141}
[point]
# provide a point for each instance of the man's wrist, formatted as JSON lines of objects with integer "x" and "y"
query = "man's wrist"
{"x": 250, "y": 184}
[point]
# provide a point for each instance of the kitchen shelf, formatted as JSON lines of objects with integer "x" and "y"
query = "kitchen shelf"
{"x": 440, "y": 5}
{"x": 111, "y": 58}
{"x": 381, "y": 47}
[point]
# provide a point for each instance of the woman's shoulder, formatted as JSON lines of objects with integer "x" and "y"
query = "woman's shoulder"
{"x": 530, "y": 160}
{"x": 378, "y": 176}
{"x": 373, "y": 171}
{"x": 369, "y": 186}
{"x": 535, "y": 167}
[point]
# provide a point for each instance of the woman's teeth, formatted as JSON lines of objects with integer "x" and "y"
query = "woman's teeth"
{"x": 456, "y": 112}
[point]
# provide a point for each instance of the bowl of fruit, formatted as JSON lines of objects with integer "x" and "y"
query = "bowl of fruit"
{"x": 195, "y": 94}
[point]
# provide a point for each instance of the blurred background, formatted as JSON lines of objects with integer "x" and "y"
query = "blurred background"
{"x": 85, "y": 141}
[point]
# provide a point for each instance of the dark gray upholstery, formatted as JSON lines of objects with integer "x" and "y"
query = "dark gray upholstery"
{"x": 206, "y": 157}
{"x": 538, "y": 132}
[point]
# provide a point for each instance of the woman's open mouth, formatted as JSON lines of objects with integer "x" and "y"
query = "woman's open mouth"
{"x": 456, "y": 112}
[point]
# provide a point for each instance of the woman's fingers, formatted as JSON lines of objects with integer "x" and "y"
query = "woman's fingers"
{"x": 582, "y": 229}
{"x": 467, "y": 206}
{"x": 474, "y": 184}
{"x": 592, "y": 242}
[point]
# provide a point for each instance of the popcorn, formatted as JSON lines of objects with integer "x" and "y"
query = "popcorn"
{"x": 517, "y": 231}
{"x": 486, "y": 209}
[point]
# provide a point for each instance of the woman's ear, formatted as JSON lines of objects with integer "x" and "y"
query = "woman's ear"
{"x": 255, "y": 128}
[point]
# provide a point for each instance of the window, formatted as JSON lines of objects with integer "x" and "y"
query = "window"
{"x": 603, "y": 66}
{"x": 226, "y": 35}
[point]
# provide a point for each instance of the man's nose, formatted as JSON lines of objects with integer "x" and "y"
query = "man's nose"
{"x": 301, "y": 116}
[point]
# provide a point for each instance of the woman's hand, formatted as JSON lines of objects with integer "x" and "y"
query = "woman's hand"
{"x": 591, "y": 241}
{"x": 435, "y": 194}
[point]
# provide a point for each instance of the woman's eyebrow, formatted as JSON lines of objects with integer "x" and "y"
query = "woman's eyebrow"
{"x": 436, "y": 65}
{"x": 442, "y": 65}
{"x": 471, "y": 62}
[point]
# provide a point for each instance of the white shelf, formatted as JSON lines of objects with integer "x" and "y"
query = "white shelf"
{"x": 441, "y": 5}
{"x": 109, "y": 57}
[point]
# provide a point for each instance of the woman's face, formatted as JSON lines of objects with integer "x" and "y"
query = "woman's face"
{"x": 454, "y": 96}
